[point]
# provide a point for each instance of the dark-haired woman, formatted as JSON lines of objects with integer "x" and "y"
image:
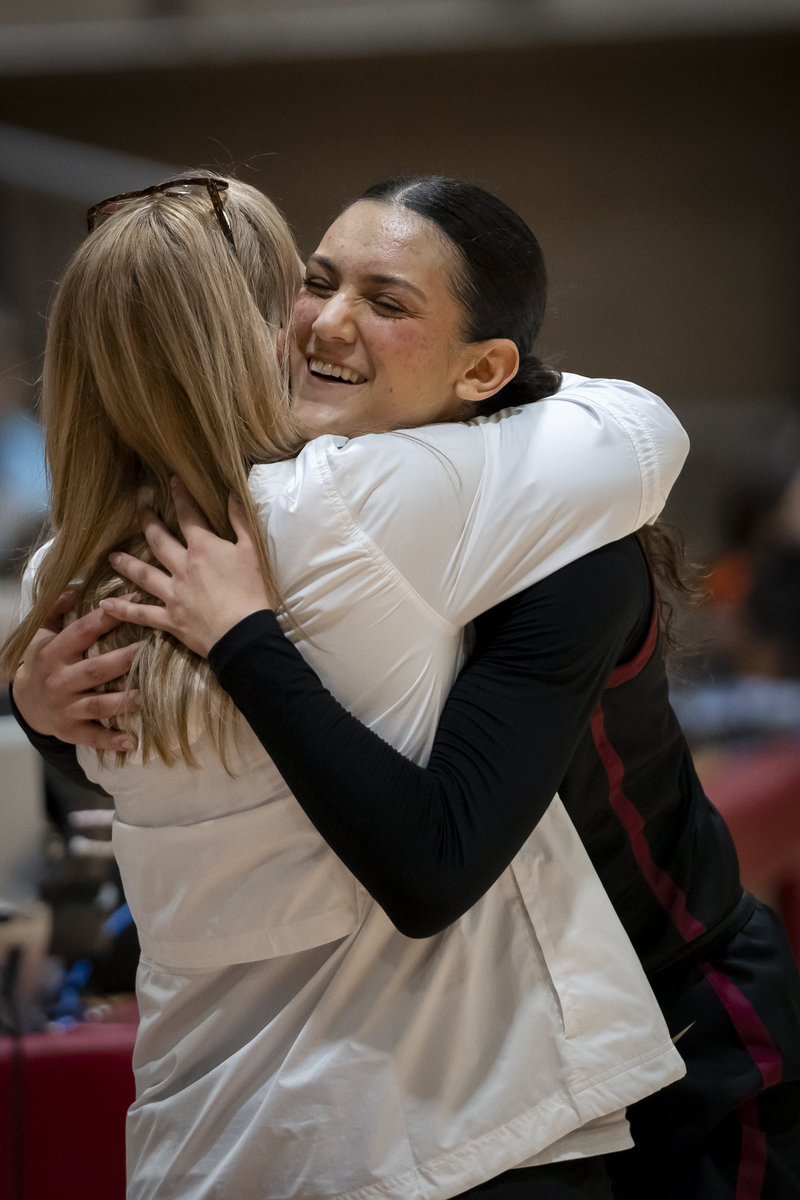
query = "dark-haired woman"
{"x": 565, "y": 690}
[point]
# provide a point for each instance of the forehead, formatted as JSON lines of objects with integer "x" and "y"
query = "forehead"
{"x": 374, "y": 237}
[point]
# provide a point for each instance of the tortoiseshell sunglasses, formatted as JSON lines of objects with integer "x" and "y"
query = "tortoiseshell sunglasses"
{"x": 190, "y": 185}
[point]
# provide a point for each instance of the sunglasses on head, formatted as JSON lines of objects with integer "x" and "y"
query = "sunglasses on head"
{"x": 190, "y": 185}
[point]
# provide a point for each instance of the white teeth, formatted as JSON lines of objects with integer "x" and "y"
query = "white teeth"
{"x": 322, "y": 368}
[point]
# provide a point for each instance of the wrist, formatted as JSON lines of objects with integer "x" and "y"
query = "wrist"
{"x": 241, "y": 638}
{"x": 231, "y": 618}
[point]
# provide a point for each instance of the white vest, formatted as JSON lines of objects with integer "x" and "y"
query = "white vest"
{"x": 293, "y": 1044}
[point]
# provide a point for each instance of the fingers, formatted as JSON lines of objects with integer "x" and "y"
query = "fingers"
{"x": 167, "y": 549}
{"x": 100, "y": 669}
{"x": 91, "y": 733}
{"x": 150, "y": 615}
{"x": 102, "y": 706}
{"x": 100, "y": 738}
{"x": 60, "y": 704}
{"x": 190, "y": 517}
{"x": 69, "y": 645}
{"x": 149, "y": 578}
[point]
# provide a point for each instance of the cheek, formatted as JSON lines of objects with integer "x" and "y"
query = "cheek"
{"x": 304, "y": 315}
{"x": 427, "y": 378}
{"x": 408, "y": 356}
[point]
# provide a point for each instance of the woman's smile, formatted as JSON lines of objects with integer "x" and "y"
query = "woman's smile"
{"x": 376, "y": 332}
{"x": 334, "y": 372}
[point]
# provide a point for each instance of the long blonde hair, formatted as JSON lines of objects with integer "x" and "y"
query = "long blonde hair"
{"x": 161, "y": 360}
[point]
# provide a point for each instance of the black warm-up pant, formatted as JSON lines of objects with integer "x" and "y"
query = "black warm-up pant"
{"x": 729, "y": 1130}
{"x": 576, "y": 1179}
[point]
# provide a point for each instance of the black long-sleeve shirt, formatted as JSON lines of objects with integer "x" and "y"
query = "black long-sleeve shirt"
{"x": 565, "y": 691}
{"x": 428, "y": 841}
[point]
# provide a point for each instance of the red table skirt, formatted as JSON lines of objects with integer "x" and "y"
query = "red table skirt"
{"x": 758, "y": 794}
{"x": 63, "y": 1099}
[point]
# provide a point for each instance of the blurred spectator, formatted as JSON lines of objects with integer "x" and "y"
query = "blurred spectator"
{"x": 770, "y": 624}
{"x": 764, "y": 513}
{"x": 758, "y": 695}
{"x": 753, "y": 619}
{"x": 23, "y": 480}
{"x": 745, "y": 725}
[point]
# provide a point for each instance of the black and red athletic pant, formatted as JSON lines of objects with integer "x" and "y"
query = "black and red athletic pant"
{"x": 730, "y": 1130}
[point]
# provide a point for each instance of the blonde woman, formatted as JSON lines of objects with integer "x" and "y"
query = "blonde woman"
{"x": 292, "y": 1041}
{"x": 161, "y": 353}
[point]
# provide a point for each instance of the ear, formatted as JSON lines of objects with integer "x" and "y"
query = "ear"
{"x": 489, "y": 367}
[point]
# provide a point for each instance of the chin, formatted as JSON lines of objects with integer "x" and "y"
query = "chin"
{"x": 317, "y": 419}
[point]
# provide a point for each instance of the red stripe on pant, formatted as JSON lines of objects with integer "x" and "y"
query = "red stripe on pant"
{"x": 746, "y": 1021}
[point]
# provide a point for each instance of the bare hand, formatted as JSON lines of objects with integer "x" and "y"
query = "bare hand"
{"x": 54, "y": 686}
{"x": 209, "y": 585}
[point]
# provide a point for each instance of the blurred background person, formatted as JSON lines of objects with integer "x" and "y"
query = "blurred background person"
{"x": 23, "y": 478}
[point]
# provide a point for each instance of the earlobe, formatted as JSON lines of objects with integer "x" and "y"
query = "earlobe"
{"x": 492, "y": 365}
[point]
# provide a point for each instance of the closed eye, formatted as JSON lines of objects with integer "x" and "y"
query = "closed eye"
{"x": 387, "y": 307}
{"x": 317, "y": 285}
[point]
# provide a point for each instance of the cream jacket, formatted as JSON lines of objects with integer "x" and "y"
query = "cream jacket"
{"x": 293, "y": 1044}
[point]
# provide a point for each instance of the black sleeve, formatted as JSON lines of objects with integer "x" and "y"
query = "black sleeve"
{"x": 427, "y": 842}
{"x": 61, "y": 756}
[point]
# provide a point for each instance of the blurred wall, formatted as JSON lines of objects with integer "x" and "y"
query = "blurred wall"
{"x": 661, "y": 178}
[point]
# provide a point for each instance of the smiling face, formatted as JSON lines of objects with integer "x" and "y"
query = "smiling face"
{"x": 377, "y": 335}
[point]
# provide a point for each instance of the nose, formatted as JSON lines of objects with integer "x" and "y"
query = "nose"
{"x": 335, "y": 320}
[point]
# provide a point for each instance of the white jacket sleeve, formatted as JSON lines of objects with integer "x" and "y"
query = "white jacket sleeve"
{"x": 471, "y": 514}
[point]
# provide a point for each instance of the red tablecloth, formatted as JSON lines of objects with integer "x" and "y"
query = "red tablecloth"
{"x": 63, "y": 1099}
{"x": 758, "y": 793}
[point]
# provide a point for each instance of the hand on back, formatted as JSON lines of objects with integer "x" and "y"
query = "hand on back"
{"x": 54, "y": 688}
{"x": 209, "y": 585}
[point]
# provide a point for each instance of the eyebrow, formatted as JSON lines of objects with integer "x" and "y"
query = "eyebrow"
{"x": 390, "y": 280}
